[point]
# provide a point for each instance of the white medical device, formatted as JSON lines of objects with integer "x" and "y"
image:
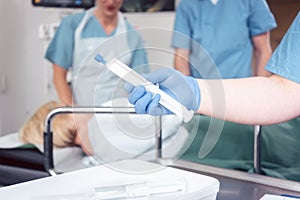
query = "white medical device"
{"x": 144, "y": 190}
{"x": 131, "y": 76}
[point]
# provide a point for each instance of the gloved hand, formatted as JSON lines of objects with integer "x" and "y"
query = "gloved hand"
{"x": 183, "y": 88}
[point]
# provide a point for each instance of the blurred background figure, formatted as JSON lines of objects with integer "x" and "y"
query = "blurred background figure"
{"x": 228, "y": 31}
{"x": 77, "y": 36}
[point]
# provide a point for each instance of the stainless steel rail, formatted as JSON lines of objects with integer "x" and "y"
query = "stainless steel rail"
{"x": 236, "y": 174}
{"x": 257, "y": 149}
{"x": 237, "y": 185}
{"x": 48, "y": 135}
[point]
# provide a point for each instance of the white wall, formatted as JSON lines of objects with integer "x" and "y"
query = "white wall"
{"x": 12, "y": 48}
{"x": 156, "y": 30}
{"x": 22, "y": 61}
{"x": 22, "y": 56}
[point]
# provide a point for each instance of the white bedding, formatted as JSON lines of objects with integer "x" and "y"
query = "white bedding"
{"x": 10, "y": 141}
{"x": 65, "y": 159}
{"x": 117, "y": 137}
{"x": 121, "y": 142}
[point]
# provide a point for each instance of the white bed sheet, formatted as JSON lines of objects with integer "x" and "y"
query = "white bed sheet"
{"x": 112, "y": 140}
{"x": 65, "y": 159}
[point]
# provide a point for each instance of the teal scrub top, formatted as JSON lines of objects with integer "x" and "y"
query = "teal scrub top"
{"x": 60, "y": 50}
{"x": 224, "y": 31}
{"x": 285, "y": 60}
{"x": 280, "y": 147}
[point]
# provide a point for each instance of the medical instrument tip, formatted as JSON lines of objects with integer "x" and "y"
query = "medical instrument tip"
{"x": 99, "y": 58}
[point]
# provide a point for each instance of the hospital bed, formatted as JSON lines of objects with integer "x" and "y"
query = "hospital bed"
{"x": 234, "y": 184}
{"x": 48, "y": 135}
{"x": 67, "y": 159}
{"x": 23, "y": 163}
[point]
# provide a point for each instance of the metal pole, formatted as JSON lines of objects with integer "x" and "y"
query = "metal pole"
{"x": 158, "y": 135}
{"x": 257, "y": 149}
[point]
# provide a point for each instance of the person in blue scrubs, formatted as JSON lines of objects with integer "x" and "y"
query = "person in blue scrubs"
{"x": 228, "y": 31}
{"x": 254, "y": 100}
{"x": 80, "y": 34}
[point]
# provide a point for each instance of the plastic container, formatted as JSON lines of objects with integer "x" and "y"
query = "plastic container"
{"x": 81, "y": 184}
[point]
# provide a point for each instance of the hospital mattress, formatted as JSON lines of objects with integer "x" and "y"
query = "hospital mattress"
{"x": 20, "y": 162}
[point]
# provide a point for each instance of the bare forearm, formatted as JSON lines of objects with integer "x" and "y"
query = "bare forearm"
{"x": 257, "y": 100}
{"x": 261, "y": 60}
{"x": 181, "y": 61}
{"x": 63, "y": 91}
{"x": 262, "y": 53}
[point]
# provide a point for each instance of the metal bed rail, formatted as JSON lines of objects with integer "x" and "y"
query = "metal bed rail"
{"x": 237, "y": 185}
{"x": 257, "y": 149}
{"x": 48, "y": 134}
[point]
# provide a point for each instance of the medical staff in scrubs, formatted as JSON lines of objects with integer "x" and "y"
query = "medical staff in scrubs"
{"x": 228, "y": 31}
{"x": 77, "y": 36}
{"x": 254, "y": 100}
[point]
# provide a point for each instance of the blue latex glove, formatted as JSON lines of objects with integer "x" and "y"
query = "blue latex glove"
{"x": 183, "y": 88}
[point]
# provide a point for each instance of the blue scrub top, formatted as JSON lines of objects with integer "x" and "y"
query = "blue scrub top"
{"x": 285, "y": 60}
{"x": 224, "y": 31}
{"x": 60, "y": 50}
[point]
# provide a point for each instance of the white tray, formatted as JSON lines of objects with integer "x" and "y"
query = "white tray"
{"x": 197, "y": 186}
